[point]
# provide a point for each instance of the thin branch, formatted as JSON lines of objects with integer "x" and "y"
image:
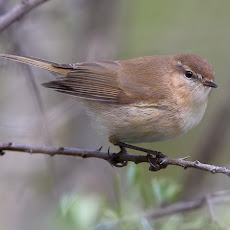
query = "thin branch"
{"x": 184, "y": 206}
{"x": 18, "y": 11}
{"x": 219, "y": 197}
{"x": 213, "y": 215}
{"x": 173, "y": 209}
{"x": 155, "y": 163}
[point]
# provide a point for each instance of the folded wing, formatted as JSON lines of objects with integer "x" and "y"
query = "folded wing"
{"x": 95, "y": 81}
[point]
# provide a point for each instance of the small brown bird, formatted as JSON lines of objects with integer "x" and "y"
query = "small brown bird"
{"x": 145, "y": 99}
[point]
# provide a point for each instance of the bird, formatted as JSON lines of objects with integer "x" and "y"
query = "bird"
{"x": 146, "y": 99}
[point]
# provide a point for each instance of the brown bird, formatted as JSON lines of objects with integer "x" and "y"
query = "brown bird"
{"x": 145, "y": 99}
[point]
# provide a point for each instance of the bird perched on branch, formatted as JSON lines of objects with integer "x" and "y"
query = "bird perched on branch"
{"x": 145, "y": 99}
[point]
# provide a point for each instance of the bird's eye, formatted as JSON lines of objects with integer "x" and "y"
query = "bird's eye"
{"x": 188, "y": 74}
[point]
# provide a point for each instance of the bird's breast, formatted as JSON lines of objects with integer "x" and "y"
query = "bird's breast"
{"x": 191, "y": 116}
{"x": 133, "y": 124}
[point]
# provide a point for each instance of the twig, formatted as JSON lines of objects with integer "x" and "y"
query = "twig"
{"x": 184, "y": 206}
{"x": 213, "y": 215}
{"x": 17, "y": 12}
{"x": 172, "y": 209}
{"x": 220, "y": 197}
{"x": 162, "y": 162}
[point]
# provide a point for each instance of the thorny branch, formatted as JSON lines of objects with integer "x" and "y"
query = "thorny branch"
{"x": 17, "y": 12}
{"x": 162, "y": 162}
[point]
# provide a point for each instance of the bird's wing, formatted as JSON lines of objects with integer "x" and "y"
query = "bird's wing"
{"x": 95, "y": 81}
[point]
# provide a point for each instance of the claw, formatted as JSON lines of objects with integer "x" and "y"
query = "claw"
{"x": 114, "y": 158}
{"x": 153, "y": 164}
{"x": 118, "y": 164}
{"x": 156, "y": 163}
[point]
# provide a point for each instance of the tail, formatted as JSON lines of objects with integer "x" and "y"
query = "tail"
{"x": 42, "y": 64}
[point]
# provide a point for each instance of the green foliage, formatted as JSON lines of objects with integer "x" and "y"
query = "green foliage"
{"x": 80, "y": 212}
{"x": 132, "y": 200}
{"x": 153, "y": 191}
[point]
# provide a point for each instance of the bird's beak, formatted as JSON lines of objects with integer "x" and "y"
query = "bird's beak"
{"x": 209, "y": 84}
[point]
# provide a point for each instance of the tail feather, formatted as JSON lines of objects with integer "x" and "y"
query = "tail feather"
{"x": 42, "y": 64}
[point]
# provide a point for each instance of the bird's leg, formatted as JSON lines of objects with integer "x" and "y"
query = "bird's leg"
{"x": 155, "y": 162}
{"x": 148, "y": 151}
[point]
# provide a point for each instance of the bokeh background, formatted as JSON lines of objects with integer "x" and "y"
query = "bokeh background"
{"x": 63, "y": 192}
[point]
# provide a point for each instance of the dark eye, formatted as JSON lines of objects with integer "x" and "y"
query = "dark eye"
{"x": 188, "y": 74}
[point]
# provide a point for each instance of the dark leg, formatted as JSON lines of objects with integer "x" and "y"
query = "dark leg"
{"x": 155, "y": 163}
{"x": 152, "y": 152}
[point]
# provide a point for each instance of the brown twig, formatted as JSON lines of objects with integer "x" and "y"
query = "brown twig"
{"x": 17, "y": 12}
{"x": 52, "y": 151}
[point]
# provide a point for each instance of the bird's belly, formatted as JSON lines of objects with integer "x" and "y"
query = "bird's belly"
{"x": 133, "y": 124}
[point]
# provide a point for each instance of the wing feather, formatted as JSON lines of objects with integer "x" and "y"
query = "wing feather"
{"x": 95, "y": 81}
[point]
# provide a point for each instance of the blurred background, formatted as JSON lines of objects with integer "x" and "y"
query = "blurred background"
{"x": 63, "y": 192}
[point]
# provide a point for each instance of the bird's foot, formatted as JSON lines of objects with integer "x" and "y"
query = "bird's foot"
{"x": 156, "y": 163}
{"x": 115, "y": 160}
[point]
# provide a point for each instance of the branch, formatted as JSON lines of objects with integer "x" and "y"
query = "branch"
{"x": 213, "y": 215}
{"x": 219, "y": 197}
{"x": 17, "y": 12}
{"x": 155, "y": 163}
